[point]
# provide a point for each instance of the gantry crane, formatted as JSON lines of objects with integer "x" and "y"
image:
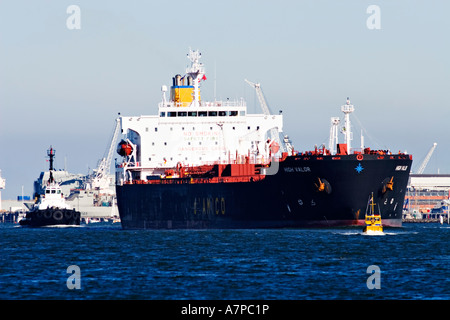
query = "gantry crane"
{"x": 274, "y": 135}
{"x": 427, "y": 158}
{"x": 100, "y": 177}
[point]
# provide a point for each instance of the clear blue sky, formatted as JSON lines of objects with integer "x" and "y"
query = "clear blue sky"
{"x": 64, "y": 87}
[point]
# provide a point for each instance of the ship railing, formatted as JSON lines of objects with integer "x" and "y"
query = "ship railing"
{"x": 241, "y": 159}
{"x": 220, "y": 103}
{"x": 199, "y": 180}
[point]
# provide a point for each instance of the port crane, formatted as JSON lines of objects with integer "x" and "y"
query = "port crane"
{"x": 274, "y": 135}
{"x": 100, "y": 179}
{"x": 427, "y": 158}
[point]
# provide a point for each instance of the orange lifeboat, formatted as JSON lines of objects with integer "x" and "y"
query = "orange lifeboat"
{"x": 124, "y": 148}
{"x": 274, "y": 147}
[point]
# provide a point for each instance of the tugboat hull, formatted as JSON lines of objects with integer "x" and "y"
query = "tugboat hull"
{"x": 51, "y": 217}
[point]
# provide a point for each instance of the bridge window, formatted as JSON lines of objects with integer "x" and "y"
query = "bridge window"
{"x": 233, "y": 113}
{"x": 192, "y": 113}
{"x": 212, "y": 113}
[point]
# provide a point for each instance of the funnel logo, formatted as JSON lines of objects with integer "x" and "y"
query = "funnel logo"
{"x": 359, "y": 168}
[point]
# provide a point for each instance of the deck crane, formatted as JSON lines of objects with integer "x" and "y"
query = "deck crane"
{"x": 427, "y": 158}
{"x": 274, "y": 135}
{"x": 100, "y": 179}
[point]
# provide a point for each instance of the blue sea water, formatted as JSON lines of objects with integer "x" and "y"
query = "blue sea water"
{"x": 287, "y": 264}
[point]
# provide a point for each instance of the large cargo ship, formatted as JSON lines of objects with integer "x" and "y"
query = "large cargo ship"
{"x": 200, "y": 164}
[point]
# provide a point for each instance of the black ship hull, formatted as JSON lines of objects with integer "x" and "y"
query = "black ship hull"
{"x": 51, "y": 217}
{"x": 306, "y": 191}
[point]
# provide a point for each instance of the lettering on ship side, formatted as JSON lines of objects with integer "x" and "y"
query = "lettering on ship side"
{"x": 297, "y": 169}
{"x": 209, "y": 205}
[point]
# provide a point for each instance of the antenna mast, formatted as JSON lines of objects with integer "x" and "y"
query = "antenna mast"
{"x": 333, "y": 134}
{"x": 197, "y": 72}
{"x": 347, "y": 109}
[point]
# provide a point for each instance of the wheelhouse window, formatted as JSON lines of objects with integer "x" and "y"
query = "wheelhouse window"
{"x": 233, "y": 113}
{"x": 171, "y": 114}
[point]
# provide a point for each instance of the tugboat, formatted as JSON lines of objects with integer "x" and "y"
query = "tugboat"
{"x": 50, "y": 208}
{"x": 373, "y": 220}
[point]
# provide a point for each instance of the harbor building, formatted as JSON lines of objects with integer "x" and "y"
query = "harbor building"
{"x": 427, "y": 195}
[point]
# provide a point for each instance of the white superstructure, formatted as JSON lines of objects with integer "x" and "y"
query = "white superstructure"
{"x": 190, "y": 132}
{"x": 51, "y": 198}
{"x": 52, "y": 195}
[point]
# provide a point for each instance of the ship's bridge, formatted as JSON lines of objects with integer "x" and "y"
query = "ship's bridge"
{"x": 204, "y": 109}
